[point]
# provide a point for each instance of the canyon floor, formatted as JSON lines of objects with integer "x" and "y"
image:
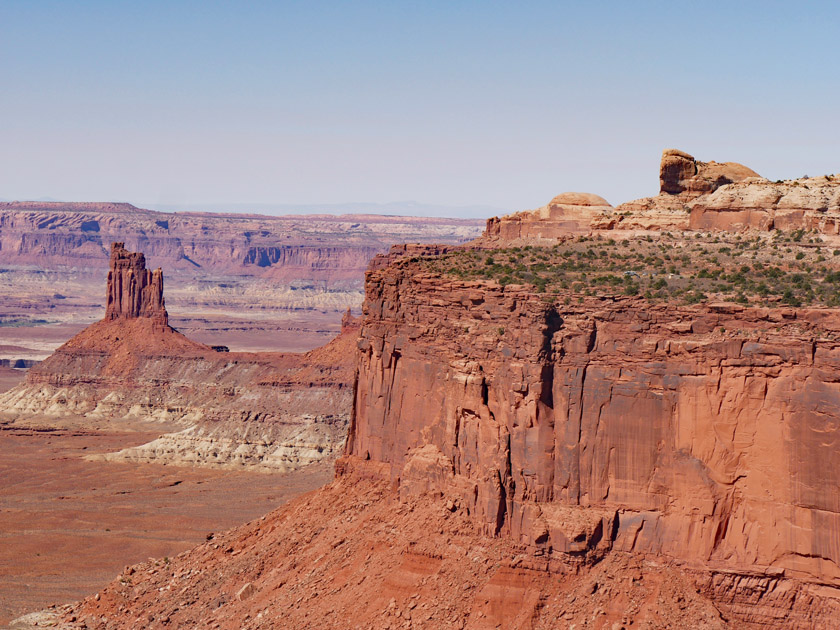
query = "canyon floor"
{"x": 68, "y": 525}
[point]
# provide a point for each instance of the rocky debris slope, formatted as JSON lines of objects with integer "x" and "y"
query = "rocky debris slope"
{"x": 353, "y": 555}
{"x": 701, "y": 434}
{"x": 266, "y": 410}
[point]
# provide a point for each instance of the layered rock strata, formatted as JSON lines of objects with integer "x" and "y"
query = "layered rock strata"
{"x": 261, "y": 410}
{"x": 321, "y": 248}
{"x": 566, "y": 213}
{"x": 701, "y": 434}
{"x": 811, "y": 204}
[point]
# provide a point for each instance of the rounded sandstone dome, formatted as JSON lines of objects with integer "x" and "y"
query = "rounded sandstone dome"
{"x": 578, "y": 199}
{"x": 677, "y": 153}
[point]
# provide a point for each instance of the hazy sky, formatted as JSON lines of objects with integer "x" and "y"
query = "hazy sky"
{"x": 458, "y": 103}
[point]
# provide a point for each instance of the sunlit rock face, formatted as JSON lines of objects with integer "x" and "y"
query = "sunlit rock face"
{"x": 610, "y": 425}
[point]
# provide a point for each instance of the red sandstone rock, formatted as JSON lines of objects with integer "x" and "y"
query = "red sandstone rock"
{"x": 681, "y": 180}
{"x": 350, "y": 323}
{"x": 565, "y": 214}
{"x": 681, "y": 174}
{"x": 615, "y": 425}
{"x": 511, "y": 461}
{"x": 134, "y": 291}
{"x": 810, "y": 204}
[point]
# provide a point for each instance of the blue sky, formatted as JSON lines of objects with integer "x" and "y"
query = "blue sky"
{"x": 451, "y": 103}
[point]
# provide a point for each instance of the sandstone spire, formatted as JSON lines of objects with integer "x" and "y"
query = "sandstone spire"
{"x": 133, "y": 290}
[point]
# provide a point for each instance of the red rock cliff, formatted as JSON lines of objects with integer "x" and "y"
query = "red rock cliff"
{"x": 615, "y": 426}
{"x": 134, "y": 291}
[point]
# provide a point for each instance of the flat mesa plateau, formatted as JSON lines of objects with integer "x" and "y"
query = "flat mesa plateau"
{"x": 68, "y": 525}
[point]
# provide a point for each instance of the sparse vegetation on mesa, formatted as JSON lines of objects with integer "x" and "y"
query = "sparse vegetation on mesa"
{"x": 773, "y": 269}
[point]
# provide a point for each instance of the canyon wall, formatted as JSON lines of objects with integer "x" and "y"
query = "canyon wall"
{"x": 703, "y": 434}
{"x": 325, "y": 248}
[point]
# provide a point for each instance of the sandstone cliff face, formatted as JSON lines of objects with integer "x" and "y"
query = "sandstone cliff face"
{"x": 615, "y": 426}
{"x": 133, "y": 290}
{"x": 809, "y": 204}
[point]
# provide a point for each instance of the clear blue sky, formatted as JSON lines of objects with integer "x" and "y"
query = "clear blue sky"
{"x": 457, "y": 103}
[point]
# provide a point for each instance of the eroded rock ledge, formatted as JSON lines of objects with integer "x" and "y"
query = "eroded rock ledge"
{"x": 693, "y": 195}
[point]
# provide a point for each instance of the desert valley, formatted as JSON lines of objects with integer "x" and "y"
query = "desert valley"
{"x": 583, "y": 416}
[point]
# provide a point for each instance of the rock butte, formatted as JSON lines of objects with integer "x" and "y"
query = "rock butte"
{"x": 275, "y": 411}
{"x": 519, "y": 462}
{"x": 133, "y": 290}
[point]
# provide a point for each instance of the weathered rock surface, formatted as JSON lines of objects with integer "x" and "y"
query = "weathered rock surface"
{"x": 682, "y": 179}
{"x": 261, "y": 410}
{"x": 566, "y": 213}
{"x": 693, "y": 195}
{"x": 133, "y": 290}
{"x": 808, "y": 203}
{"x": 352, "y": 555}
{"x": 580, "y": 431}
{"x": 681, "y": 174}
